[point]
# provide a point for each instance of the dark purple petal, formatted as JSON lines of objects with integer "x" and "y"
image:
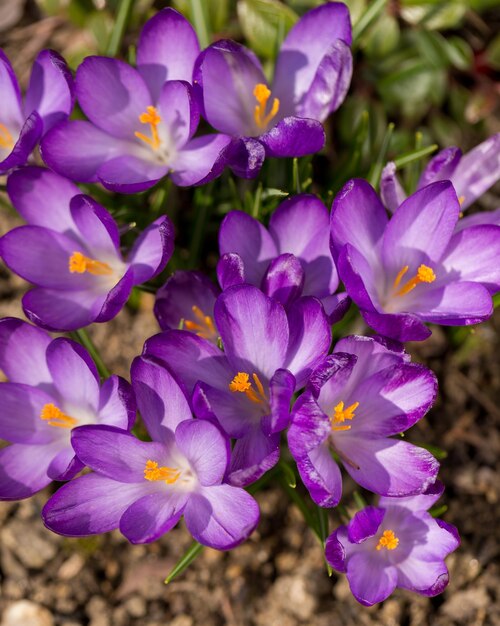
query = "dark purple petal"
{"x": 201, "y": 160}
{"x": 23, "y": 470}
{"x": 152, "y": 250}
{"x": 166, "y": 50}
{"x": 360, "y": 277}
{"x": 440, "y": 167}
{"x": 112, "y": 95}
{"x": 330, "y": 377}
{"x": 84, "y": 506}
{"x": 253, "y": 455}
{"x": 130, "y": 173}
{"x": 281, "y": 389}
{"x": 221, "y": 516}
{"x": 42, "y": 198}
{"x": 336, "y": 306}
{"x": 116, "y": 298}
{"x": 50, "y": 91}
{"x": 284, "y": 279}
{"x": 294, "y": 137}
{"x": 230, "y": 270}
{"x": 161, "y": 402}
{"x": 391, "y": 191}
{"x": 65, "y": 465}
{"x": 20, "y": 416}
{"x": 365, "y": 524}
{"x": 321, "y": 475}
{"x": 245, "y": 156}
{"x": 334, "y": 550}
{"x": 117, "y": 403}
{"x": 27, "y": 140}
{"x": 96, "y": 229}
{"x": 401, "y": 326}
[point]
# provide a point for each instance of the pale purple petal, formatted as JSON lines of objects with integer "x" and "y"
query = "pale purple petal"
{"x": 418, "y": 503}
{"x": 284, "y": 279}
{"x": 321, "y": 475}
{"x": 200, "y": 160}
{"x": 371, "y": 580}
{"x": 10, "y": 102}
{"x": 230, "y": 270}
{"x": 281, "y": 390}
{"x": 130, "y": 173}
{"x": 22, "y": 353}
{"x": 179, "y": 112}
{"x": 152, "y": 250}
{"x": 116, "y": 403}
{"x": 252, "y": 456}
{"x": 65, "y": 465}
{"x": 26, "y": 141}
{"x": 402, "y": 327}
{"x": 455, "y": 304}
{"x": 23, "y": 470}
{"x": 441, "y": 167}
{"x": 20, "y": 415}
{"x": 391, "y": 190}
{"x": 479, "y": 219}
{"x": 96, "y": 229}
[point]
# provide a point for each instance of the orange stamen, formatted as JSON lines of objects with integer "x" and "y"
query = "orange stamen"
{"x": 342, "y": 414}
{"x": 55, "y": 417}
{"x": 151, "y": 117}
{"x": 79, "y": 264}
{"x": 6, "y": 140}
{"x": 388, "y": 540}
{"x": 153, "y": 472}
{"x": 425, "y": 274}
{"x": 262, "y": 94}
{"x": 203, "y": 326}
{"x": 241, "y": 383}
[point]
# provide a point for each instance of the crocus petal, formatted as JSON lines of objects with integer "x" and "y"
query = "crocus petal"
{"x": 421, "y": 228}
{"x": 22, "y": 353}
{"x": 245, "y": 156}
{"x": 152, "y": 250}
{"x": 152, "y": 516}
{"x": 23, "y": 470}
{"x": 112, "y": 95}
{"x": 10, "y": 103}
{"x": 116, "y": 403}
{"x": 391, "y": 190}
{"x": 473, "y": 256}
{"x": 93, "y": 148}
{"x": 428, "y": 578}
{"x": 65, "y": 465}
{"x": 50, "y": 91}
{"x": 160, "y": 400}
{"x": 402, "y": 326}
{"x": 179, "y": 112}
{"x": 130, "y": 174}
{"x": 365, "y": 524}
{"x": 221, "y": 516}
{"x": 334, "y": 550}
{"x": 370, "y": 579}
{"x": 491, "y": 218}
{"x": 303, "y": 51}
{"x": 62, "y": 310}
{"x": 358, "y": 218}
{"x": 116, "y": 453}
{"x": 294, "y": 137}
{"x": 440, "y": 167}
{"x": 418, "y": 503}
{"x": 230, "y": 270}
{"x": 321, "y": 475}
{"x": 183, "y": 291}
{"x": 284, "y": 279}
{"x": 249, "y": 239}
{"x": 252, "y": 456}
{"x": 166, "y": 50}
{"x": 89, "y": 505}
{"x": 200, "y": 160}
{"x": 97, "y": 229}
{"x": 42, "y": 198}
{"x": 206, "y": 449}
{"x": 455, "y": 304}
{"x": 359, "y": 276}
{"x": 27, "y": 140}
{"x": 228, "y": 73}
{"x": 281, "y": 390}
{"x": 310, "y": 338}
{"x": 336, "y": 306}
{"x": 477, "y": 171}
{"x": 254, "y": 331}
{"x": 386, "y": 466}
{"x": 75, "y": 375}
{"x": 373, "y": 354}
{"x": 20, "y": 417}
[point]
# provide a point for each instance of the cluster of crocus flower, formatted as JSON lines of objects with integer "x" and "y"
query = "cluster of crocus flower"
{"x": 238, "y": 364}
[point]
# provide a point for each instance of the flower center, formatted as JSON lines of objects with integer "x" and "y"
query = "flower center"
{"x": 55, "y": 417}
{"x": 388, "y": 540}
{"x": 203, "y": 325}
{"x": 342, "y": 414}
{"x": 151, "y": 117}
{"x": 241, "y": 383}
{"x": 79, "y": 264}
{"x": 424, "y": 274}
{"x": 153, "y": 472}
{"x": 6, "y": 140}
{"x": 262, "y": 94}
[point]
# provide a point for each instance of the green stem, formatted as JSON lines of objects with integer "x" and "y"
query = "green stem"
{"x": 414, "y": 155}
{"x": 200, "y": 23}
{"x": 122, "y": 18}
{"x": 194, "y": 550}
{"x": 202, "y": 202}
{"x": 82, "y": 337}
{"x": 376, "y": 170}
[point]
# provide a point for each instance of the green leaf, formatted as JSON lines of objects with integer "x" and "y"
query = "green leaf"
{"x": 83, "y": 338}
{"x": 376, "y": 169}
{"x": 194, "y": 550}
{"x": 437, "y": 511}
{"x": 265, "y": 24}
{"x": 414, "y": 155}
{"x": 367, "y": 19}
{"x": 200, "y": 22}
{"x": 382, "y": 38}
{"x": 496, "y": 300}
{"x": 288, "y": 473}
{"x": 359, "y": 500}
{"x": 121, "y": 21}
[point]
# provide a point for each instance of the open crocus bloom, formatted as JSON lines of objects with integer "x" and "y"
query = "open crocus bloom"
{"x": 49, "y": 100}
{"x": 153, "y": 483}
{"x": 70, "y": 250}
{"x": 396, "y": 544}
{"x": 416, "y": 267}
{"x": 142, "y": 121}
{"x": 53, "y": 388}
{"x": 268, "y": 355}
{"x": 312, "y": 75}
{"x": 290, "y": 259}
{"x": 355, "y": 401}
{"x": 471, "y": 174}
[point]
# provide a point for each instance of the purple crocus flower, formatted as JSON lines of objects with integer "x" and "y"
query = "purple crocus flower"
{"x": 152, "y": 484}
{"x": 142, "y": 121}
{"x": 49, "y": 100}
{"x": 70, "y": 249}
{"x": 247, "y": 389}
{"x": 290, "y": 259}
{"x": 312, "y": 75}
{"x": 186, "y": 301}
{"x": 396, "y": 544}
{"x": 355, "y": 401}
{"x": 53, "y": 387}
{"x": 416, "y": 267}
{"x": 471, "y": 174}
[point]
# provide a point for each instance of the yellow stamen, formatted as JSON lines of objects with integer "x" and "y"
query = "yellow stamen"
{"x": 153, "y": 472}
{"x": 241, "y": 383}
{"x": 424, "y": 274}
{"x": 461, "y": 200}
{"x": 342, "y": 414}
{"x": 55, "y": 417}
{"x": 388, "y": 540}
{"x": 203, "y": 325}
{"x": 79, "y": 264}
{"x": 6, "y": 140}
{"x": 151, "y": 117}
{"x": 262, "y": 94}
